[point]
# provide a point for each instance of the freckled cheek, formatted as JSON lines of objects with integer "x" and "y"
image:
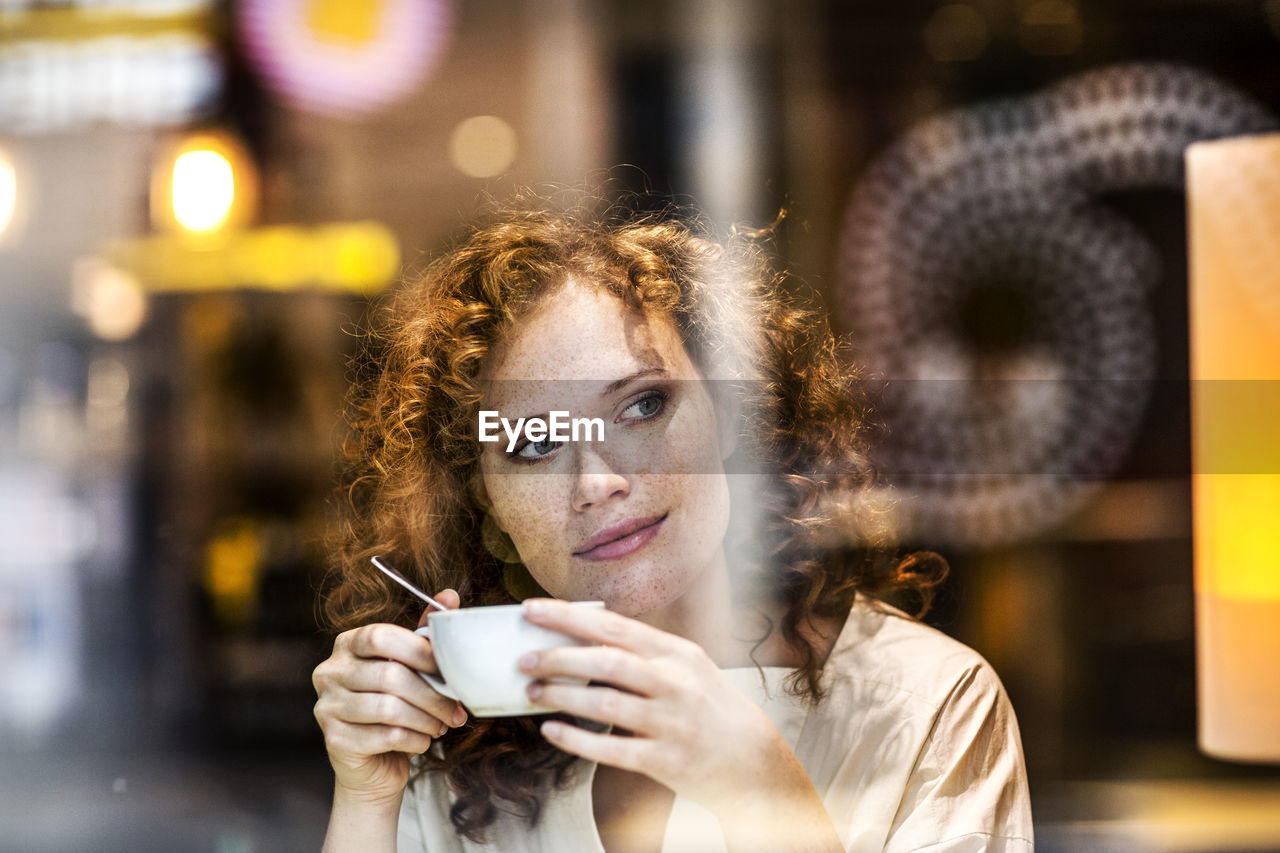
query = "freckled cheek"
{"x": 707, "y": 497}
{"x": 632, "y": 452}
{"x": 692, "y": 445}
{"x": 656, "y": 454}
{"x": 534, "y": 510}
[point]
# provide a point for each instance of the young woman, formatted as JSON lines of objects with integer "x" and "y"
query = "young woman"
{"x": 748, "y": 688}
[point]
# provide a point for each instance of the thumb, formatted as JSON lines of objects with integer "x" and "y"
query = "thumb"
{"x": 448, "y": 597}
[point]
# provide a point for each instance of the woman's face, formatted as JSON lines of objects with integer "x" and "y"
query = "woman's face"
{"x": 639, "y": 518}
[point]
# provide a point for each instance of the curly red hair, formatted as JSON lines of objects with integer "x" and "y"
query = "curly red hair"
{"x": 412, "y": 451}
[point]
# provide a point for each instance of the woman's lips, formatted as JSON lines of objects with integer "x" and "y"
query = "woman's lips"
{"x": 633, "y": 541}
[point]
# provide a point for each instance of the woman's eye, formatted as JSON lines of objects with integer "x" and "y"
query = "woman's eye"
{"x": 647, "y": 407}
{"x": 538, "y": 449}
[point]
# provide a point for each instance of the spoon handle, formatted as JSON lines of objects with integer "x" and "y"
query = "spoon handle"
{"x": 400, "y": 579}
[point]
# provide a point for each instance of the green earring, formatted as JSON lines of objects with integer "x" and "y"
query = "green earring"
{"x": 519, "y": 584}
{"x": 496, "y": 542}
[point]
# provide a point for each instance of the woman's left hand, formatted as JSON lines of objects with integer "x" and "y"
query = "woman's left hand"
{"x": 689, "y": 728}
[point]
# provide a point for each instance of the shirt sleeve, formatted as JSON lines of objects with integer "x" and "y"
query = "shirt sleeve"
{"x": 424, "y": 825}
{"x": 968, "y": 788}
{"x": 408, "y": 833}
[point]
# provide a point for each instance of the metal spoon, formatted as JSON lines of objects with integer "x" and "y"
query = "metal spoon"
{"x": 400, "y": 579}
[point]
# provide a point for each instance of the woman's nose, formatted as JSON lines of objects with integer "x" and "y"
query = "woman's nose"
{"x": 595, "y": 480}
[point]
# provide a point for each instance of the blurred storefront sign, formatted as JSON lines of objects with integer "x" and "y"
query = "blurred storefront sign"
{"x": 351, "y": 257}
{"x": 128, "y": 63}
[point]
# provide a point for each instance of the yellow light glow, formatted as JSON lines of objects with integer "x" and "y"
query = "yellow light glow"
{"x": 204, "y": 188}
{"x": 1233, "y": 211}
{"x": 358, "y": 256}
{"x": 350, "y": 22}
{"x": 351, "y": 257}
{"x": 483, "y": 146}
{"x": 274, "y": 258}
{"x": 233, "y": 570}
{"x": 1238, "y": 559}
{"x": 8, "y": 192}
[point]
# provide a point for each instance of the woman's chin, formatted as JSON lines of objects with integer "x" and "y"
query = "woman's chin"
{"x": 635, "y": 587}
{"x": 646, "y": 593}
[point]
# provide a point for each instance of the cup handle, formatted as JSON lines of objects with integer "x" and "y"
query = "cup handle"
{"x": 434, "y": 680}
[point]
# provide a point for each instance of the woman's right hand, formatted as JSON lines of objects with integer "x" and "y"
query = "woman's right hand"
{"x": 374, "y": 708}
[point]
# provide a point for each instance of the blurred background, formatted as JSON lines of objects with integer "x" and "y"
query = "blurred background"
{"x": 198, "y": 200}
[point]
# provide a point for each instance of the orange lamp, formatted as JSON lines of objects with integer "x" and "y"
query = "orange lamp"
{"x": 203, "y": 184}
{"x": 1233, "y": 212}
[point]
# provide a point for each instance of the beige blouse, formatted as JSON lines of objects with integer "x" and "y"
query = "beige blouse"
{"x": 915, "y": 748}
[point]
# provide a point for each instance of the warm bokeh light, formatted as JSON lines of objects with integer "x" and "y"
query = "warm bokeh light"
{"x": 1233, "y": 215}
{"x": 204, "y": 189}
{"x": 344, "y": 21}
{"x": 483, "y": 146}
{"x": 111, "y": 301}
{"x": 233, "y": 571}
{"x": 8, "y": 192}
{"x": 341, "y": 57}
{"x": 358, "y": 256}
{"x": 204, "y": 184}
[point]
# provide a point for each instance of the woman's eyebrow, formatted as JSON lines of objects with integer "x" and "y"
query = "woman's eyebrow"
{"x": 639, "y": 374}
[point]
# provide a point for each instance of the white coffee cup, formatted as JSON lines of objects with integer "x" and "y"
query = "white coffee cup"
{"x": 478, "y": 649}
